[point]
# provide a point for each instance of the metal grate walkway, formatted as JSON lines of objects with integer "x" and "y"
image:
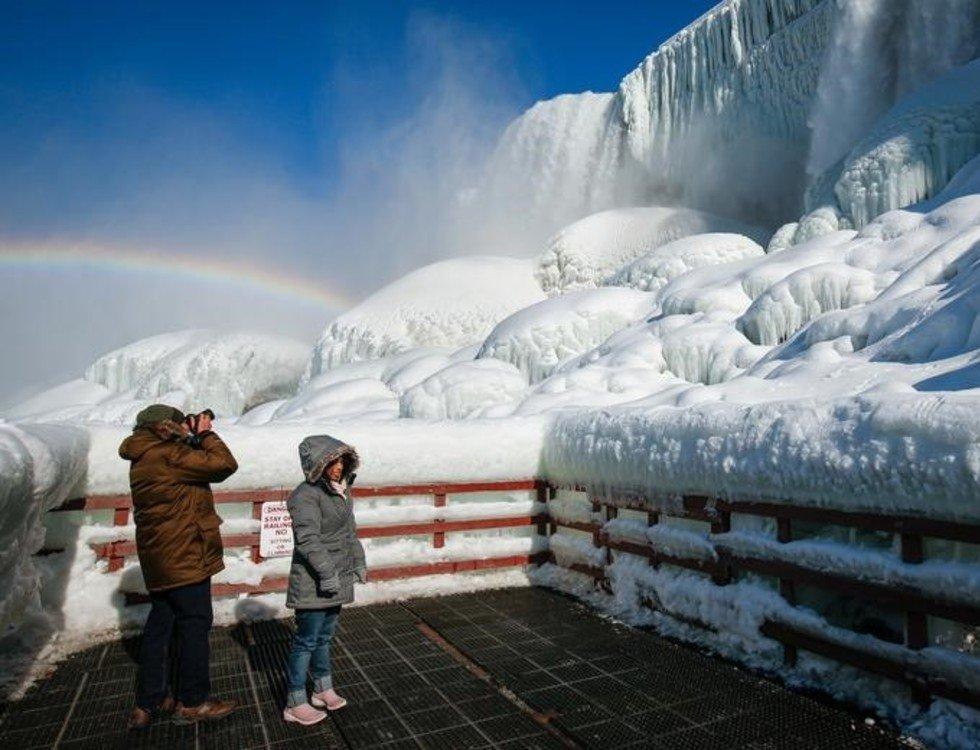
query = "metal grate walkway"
{"x": 516, "y": 668}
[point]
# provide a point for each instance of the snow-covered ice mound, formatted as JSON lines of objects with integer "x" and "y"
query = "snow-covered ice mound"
{"x": 654, "y": 270}
{"x": 540, "y": 337}
{"x": 227, "y": 372}
{"x": 452, "y": 303}
{"x": 464, "y": 390}
{"x": 585, "y": 253}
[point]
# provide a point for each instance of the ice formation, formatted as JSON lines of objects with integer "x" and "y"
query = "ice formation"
{"x": 914, "y": 149}
{"x": 447, "y": 304}
{"x": 588, "y": 251}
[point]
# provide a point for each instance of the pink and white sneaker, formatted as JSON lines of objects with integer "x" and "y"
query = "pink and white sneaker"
{"x": 328, "y": 699}
{"x": 304, "y": 714}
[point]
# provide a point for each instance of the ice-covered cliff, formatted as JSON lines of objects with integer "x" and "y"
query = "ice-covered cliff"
{"x": 737, "y": 113}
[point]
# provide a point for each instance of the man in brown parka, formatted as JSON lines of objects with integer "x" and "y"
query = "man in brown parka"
{"x": 172, "y": 461}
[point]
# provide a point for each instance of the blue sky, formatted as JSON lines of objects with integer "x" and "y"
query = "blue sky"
{"x": 97, "y": 97}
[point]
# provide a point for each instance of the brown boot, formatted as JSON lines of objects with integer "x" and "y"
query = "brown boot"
{"x": 140, "y": 718}
{"x": 210, "y": 710}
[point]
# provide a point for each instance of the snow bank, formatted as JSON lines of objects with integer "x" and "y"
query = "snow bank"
{"x": 585, "y": 253}
{"x": 40, "y": 467}
{"x": 539, "y": 338}
{"x": 452, "y": 303}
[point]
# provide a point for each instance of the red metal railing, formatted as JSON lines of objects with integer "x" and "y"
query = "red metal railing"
{"x": 115, "y": 551}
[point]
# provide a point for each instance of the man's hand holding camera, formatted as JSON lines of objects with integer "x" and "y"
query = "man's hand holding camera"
{"x": 198, "y": 425}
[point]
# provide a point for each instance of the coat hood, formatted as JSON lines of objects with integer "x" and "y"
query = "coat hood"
{"x": 316, "y": 452}
{"x": 145, "y": 437}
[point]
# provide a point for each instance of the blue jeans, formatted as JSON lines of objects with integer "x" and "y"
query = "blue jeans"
{"x": 310, "y": 652}
{"x": 186, "y": 609}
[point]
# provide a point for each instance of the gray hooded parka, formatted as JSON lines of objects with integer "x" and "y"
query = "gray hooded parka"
{"x": 327, "y": 555}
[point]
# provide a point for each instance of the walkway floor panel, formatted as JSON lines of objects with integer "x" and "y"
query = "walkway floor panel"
{"x": 516, "y": 668}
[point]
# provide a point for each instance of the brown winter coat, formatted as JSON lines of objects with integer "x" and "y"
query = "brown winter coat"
{"x": 177, "y": 534}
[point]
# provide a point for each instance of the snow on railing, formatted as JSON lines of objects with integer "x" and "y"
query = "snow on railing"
{"x": 907, "y": 584}
{"x": 116, "y": 551}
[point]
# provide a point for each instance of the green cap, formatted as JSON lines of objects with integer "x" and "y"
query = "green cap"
{"x": 158, "y": 413}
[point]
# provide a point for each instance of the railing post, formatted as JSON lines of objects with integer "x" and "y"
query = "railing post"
{"x": 439, "y": 537}
{"x": 552, "y": 494}
{"x": 541, "y": 496}
{"x": 787, "y": 587}
{"x": 721, "y": 523}
{"x": 916, "y": 624}
{"x": 653, "y": 518}
{"x": 611, "y": 512}
{"x": 257, "y": 515}
{"x": 116, "y": 560}
{"x": 596, "y": 535}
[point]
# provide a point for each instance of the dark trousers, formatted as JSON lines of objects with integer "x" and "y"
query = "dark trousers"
{"x": 186, "y": 610}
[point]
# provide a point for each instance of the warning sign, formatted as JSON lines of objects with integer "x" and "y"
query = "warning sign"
{"x": 276, "y": 536}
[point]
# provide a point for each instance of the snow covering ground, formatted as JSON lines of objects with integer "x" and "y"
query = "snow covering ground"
{"x": 650, "y": 345}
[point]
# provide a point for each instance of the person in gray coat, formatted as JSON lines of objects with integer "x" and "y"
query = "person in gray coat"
{"x": 327, "y": 557}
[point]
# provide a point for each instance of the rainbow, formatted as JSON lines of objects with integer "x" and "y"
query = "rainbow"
{"x": 165, "y": 263}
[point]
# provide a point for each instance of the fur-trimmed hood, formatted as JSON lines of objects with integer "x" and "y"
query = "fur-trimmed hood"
{"x": 316, "y": 452}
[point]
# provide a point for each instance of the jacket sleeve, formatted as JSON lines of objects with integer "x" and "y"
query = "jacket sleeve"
{"x": 212, "y": 462}
{"x": 305, "y": 514}
{"x": 359, "y": 565}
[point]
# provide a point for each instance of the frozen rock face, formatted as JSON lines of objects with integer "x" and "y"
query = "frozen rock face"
{"x": 452, "y": 303}
{"x": 539, "y": 338}
{"x": 739, "y": 113}
{"x": 914, "y": 149}
{"x": 463, "y": 390}
{"x": 653, "y": 271}
{"x": 734, "y": 84}
{"x": 586, "y": 253}
{"x": 227, "y": 372}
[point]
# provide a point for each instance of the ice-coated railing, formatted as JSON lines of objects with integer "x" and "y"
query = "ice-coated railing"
{"x": 596, "y": 534}
{"x": 610, "y": 527}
